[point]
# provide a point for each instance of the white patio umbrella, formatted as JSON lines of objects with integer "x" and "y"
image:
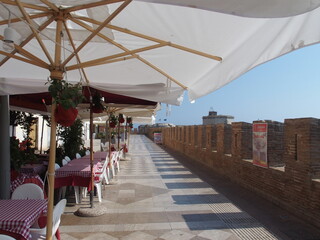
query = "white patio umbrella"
{"x": 154, "y": 50}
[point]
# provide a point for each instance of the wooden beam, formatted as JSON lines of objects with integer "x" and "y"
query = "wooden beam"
{"x": 167, "y": 43}
{"x": 28, "y": 55}
{"x": 90, "y": 5}
{"x": 74, "y": 48}
{"x": 10, "y": 55}
{"x": 128, "y": 52}
{"x": 97, "y": 30}
{"x": 162, "y": 72}
{"x": 84, "y": 65}
{"x": 44, "y": 49}
{"x": 31, "y": 57}
{"x": 100, "y": 61}
{"x": 151, "y": 38}
{"x": 14, "y": 20}
{"x": 50, "y": 5}
{"x": 26, "y": 5}
{"x": 24, "y": 42}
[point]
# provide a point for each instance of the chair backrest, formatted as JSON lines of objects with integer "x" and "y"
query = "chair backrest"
{"x": 78, "y": 155}
{"x": 87, "y": 152}
{"x": 6, "y": 237}
{"x": 67, "y": 158}
{"x": 57, "y": 212}
{"x": 28, "y": 191}
{"x": 114, "y": 157}
{"x": 56, "y": 166}
{"x": 64, "y": 162}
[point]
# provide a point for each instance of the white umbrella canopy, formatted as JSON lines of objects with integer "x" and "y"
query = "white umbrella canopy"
{"x": 146, "y": 49}
{"x": 151, "y": 50}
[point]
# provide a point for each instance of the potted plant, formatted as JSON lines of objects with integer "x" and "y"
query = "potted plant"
{"x": 67, "y": 96}
{"x": 97, "y": 106}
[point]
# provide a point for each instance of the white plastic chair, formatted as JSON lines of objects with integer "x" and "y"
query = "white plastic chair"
{"x": 87, "y": 152}
{"x": 105, "y": 172}
{"x": 6, "y": 237}
{"x": 78, "y": 155}
{"x": 67, "y": 158}
{"x": 64, "y": 162}
{"x": 56, "y": 166}
{"x": 28, "y": 191}
{"x": 98, "y": 185}
{"x": 40, "y": 233}
{"x": 114, "y": 162}
{"x": 105, "y": 146}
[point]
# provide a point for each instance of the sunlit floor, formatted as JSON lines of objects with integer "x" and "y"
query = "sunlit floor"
{"x": 154, "y": 197}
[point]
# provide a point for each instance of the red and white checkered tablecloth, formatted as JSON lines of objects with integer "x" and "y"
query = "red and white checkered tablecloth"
{"x": 77, "y": 167}
{"x": 17, "y": 216}
{"x": 101, "y": 156}
{"x": 22, "y": 178}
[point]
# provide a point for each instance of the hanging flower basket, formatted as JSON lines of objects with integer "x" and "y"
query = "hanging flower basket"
{"x": 65, "y": 117}
{"x": 97, "y": 106}
{"x": 121, "y": 118}
{"x": 129, "y": 120}
{"x": 67, "y": 96}
{"x": 113, "y": 121}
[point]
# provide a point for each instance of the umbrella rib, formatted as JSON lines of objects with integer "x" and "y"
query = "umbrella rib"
{"x": 43, "y": 26}
{"x": 116, "y": 56}
{"x": 14, "y": 20}
{"x": 90, "y": 5}
{"x": 100, "y": 61}
{"x": 74, "y": 47}
{"x": 133, "y": 53}
{"x": 26, "y": 5}
{"x": 97, "y": 30}
{"x": 127, "y": 31}
{"x": 31, "y": 56}
{"x": 50, "y": 5}
{"x": 10, "y": 55}
{"x": 23, "y": 11}
{"x": 161, "y": 41}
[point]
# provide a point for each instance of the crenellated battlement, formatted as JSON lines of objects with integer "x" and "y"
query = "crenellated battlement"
{"x": 292, "y": 178}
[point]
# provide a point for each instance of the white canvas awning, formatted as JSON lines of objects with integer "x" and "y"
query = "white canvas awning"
{"x": 152, "y": 50}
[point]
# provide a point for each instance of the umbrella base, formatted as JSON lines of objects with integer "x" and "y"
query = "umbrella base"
{"x": 91, "y": 212}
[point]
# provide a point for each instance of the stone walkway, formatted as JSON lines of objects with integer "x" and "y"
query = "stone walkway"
{"x": 154, "y": 197}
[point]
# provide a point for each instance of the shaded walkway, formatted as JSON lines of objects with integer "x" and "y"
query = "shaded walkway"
{"x": 156, "y": 197}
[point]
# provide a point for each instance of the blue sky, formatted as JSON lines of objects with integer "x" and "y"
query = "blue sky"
{"x": 287, "y": 87}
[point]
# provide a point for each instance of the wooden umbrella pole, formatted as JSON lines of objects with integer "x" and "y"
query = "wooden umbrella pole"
{"x": 91, "y": 155}
{"x": 118, "y": 137}
{"x": 51, "y": 170}
{"x": 56, "y": 74}
{"x": 126, "y": 139}
{"x": 109, "y": 133}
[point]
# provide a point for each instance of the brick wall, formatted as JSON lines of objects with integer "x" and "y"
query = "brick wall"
{"x": 293, "y": 177}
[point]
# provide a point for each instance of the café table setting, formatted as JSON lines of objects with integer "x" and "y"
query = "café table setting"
{"x": 18, "y": 215}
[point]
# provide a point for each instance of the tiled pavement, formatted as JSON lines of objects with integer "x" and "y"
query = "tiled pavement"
{"x": 154, "y": 197}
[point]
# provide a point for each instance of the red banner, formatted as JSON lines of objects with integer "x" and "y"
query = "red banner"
{"x": 260, "y": 134}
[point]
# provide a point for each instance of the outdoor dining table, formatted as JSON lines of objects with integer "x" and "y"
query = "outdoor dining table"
{"x": 33, "y": 168}
{"x": 97, "y": 155}
{"x": 77, "y": 172}
{"x": 17, "y": 216}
